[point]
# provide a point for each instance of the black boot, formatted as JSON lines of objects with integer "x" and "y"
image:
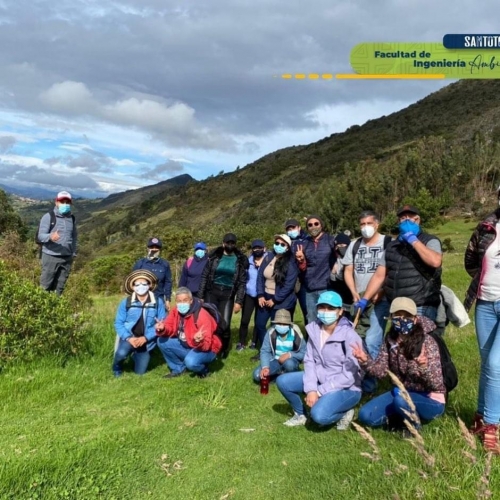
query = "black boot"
{"x": 226, "y": 347}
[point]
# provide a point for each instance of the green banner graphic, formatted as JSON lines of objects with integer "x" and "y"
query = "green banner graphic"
{"x": 424, "y": 58}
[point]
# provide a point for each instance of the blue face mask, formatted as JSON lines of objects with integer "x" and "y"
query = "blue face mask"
{"x": 279, "y": 249}
{"x": 403, "y": 326}
{"x": 282, "y": 329}
{"x": 183, "y": 308}
{"x": 293, "y": 234}
{"x": 64, "y": 208}
{"x": 200, "y": 253}
{"x": 408, "y": 226}
{"x": 327, "y": 317}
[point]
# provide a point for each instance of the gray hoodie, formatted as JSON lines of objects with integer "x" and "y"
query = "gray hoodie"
{"x": 66, "y": 245}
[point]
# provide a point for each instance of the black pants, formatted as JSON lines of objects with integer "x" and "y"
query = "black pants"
{"x": 224, "y": 300}
{"x": 249, "y": 306}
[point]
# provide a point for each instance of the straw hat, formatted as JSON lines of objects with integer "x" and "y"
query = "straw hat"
{"x": 140, "y": 273}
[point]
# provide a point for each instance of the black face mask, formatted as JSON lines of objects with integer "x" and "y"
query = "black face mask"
{"x": 258, "y": 253}
{"x": 229, "y": 248}
{"x": 341, "y": 251}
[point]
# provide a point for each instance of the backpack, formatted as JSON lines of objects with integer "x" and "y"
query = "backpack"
{"x": 189, "y": 262}
{"x": 450, "y": 374}
{"x": 216, "y": 315}
{"x": 51, "y": 226}
{"x": 357, "y": 244}
{"x": 128, "y": 304}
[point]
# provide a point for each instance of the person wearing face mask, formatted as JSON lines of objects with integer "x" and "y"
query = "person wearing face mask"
{"x": 275, "y": 285}
{"x": 337, "y": 283}
{"x": 361, "y": 261}
{"x": 187, "y": 337}
{"x": 136, "y": 321}
{"x": 160, "y": 268}
{"x": 193, "y": 268}
{"x": 250, "y": 303}
{"x": 331, "y": 379}
{"x": 316, "y": 257}
{"x": 283, "y": 348}
{"x": 411, "y": 354}
{"x": 57, "y": 235}
{"x": 482, "y": 263}
{"x": 410, "y": 267}
{"x": 223, "y": 283}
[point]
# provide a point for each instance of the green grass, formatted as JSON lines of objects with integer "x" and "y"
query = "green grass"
{"x": 76, "y": 432}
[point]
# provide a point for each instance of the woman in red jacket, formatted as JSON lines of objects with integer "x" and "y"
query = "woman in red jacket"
{"x": 187, "y": 337}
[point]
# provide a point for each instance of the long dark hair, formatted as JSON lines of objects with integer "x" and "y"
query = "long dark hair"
{"x": 281, "y": 267}
{"x": 411, "y": 345}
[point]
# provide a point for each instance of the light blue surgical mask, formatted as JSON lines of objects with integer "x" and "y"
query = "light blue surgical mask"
{"x": 327, "y": 317}
{"x": 282, "y": 329}
{"x": 293, "y": 234}
{"x": 183, "y": 308}
{"x": 279, "y": 249}
{"x": 141, "y": 289}
{"x": 64, "y": 208}
{"x": 200, "y": 253}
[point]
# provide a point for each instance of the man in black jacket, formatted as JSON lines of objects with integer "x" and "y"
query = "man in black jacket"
{"x": 411, "y": 267}
{"x": 223, "y": 283}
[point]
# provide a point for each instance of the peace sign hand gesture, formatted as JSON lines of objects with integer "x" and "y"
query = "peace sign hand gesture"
{"x": 299, "y": 253}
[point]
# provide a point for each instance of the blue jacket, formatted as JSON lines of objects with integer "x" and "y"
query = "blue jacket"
{"x": 161, "y": 269}
{"x": 125, "y": 319}
{"x": 320, "y": 258}
{"x": 191, "y": 276}
{"x": 252, "y": 272}
{"x": 66, "y": 245}
{"x": 268, "y": 349}
{"x": 284, "y": 297}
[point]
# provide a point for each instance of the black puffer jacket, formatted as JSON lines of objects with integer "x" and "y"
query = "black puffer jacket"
{"x": 409, "y": 276}
{"x": 240, "y": 275}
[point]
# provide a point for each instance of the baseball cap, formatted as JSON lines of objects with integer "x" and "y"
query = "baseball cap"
{"x": 200, "y": 245}
{"x": 403, "y": 304}
{"x": 285, "y": 238}
{"x": 258, "y": 243}
{"x": 331, "y": 298}
{"x": 63, "y": 196}
{"x": 408, "y": 208}
{"x": 154, "y": 242}
{"x": 229, "y": 237}
{"x": 291, "y": 222}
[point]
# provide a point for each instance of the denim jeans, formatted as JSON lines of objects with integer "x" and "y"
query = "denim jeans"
{"x": 311, "y": 303}
{"x": 276, "y": 368}
{"x": 427, "y": 311}
{"x": 123, "y": 351}
{"x": 262, "y": 316}
{"x": 180, "y": 358}
{"x": 329, "y": 408}
{"x": 487, "y": 319}
{"x": 375, "y": 412}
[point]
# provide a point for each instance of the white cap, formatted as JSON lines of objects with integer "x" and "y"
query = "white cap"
{"x": 63, "y": 195}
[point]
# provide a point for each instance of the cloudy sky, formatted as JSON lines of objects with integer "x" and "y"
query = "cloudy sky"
{"x": 103, "y": 96}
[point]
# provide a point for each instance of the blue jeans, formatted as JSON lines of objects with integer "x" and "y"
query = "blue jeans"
{"x": 311, "y": 303}
{"x": 375, "y": 412}
{"x": 123, "y": 351}
{"x": 329, "y": 408}
{"x": 487, "y": 319}
{"x": 180, "y": 358}
{"x": 276, "y": 368}
{"x": 262, "y": 316}
{"x": 427, "y": 311}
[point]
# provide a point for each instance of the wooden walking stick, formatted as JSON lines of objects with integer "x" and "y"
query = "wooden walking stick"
{"x": 356, "y": 319}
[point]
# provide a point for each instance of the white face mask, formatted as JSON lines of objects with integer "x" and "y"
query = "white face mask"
{"x": 141, "y": 289}
{"x": 367, "y": 231}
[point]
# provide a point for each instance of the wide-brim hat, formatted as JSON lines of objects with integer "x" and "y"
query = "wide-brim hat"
{"x": 140, "y": 273}
{"x": 282, "y": 316}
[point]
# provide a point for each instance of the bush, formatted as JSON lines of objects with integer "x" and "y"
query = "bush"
{"x": 108, "y": 273}
{"x": 36, "y": 323}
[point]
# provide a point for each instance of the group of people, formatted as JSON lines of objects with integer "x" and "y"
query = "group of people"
{"x": 347, "y": 290}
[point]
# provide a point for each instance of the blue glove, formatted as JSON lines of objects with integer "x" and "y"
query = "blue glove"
{"x": 409, "y": 237}
{"x": 361, "y": 304}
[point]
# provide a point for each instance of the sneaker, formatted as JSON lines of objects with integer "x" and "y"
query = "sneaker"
{"x": 490, "y": 438}
{"x": 345, "y": 421}
{"x": 173, "y": 374}
{"x": 253, "y": 346}
{"x": 296, "y": 420}
{"x": 240, "y": 347}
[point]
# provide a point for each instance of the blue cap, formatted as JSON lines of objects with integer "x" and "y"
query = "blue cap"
{"x": 200, "y": 245}
{"x": 331, "y": 298}
{"x": 258, "y": 243}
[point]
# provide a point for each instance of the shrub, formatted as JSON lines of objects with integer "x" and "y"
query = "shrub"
{"x": 448, "y": 245}
{"x": 36, "y": 323}
{"x": 107, "y": 273}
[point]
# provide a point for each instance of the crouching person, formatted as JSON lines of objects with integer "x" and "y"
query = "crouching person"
{"x": 332, "y": 377}
{"x": 414, "y": 357}
{"x": 187, "y": 337}
{"x": 283, "y": 348}
{"x": 136, "y": 320}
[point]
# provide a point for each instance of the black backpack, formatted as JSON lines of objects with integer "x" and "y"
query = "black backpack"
{"x": 450, "y": 374}
{"x": 51, "y": 226}
{"x": 214, "y": 312}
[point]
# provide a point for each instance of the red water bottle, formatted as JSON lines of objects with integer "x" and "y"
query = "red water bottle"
{"x": 264, "y": 385}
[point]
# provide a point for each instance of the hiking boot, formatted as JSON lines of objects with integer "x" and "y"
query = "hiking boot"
{"x": 173, "y": 374}
{"x": 490, "y": 438}
{"x": 240, "y": 347}
{"x": 296, "y": 420}
{"x": 477, "y": 424}
{"x": 345, "y": 421}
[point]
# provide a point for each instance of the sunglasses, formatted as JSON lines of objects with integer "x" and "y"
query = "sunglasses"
{"x": 313, "y": 224}
{"x": 280, "y": 244}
